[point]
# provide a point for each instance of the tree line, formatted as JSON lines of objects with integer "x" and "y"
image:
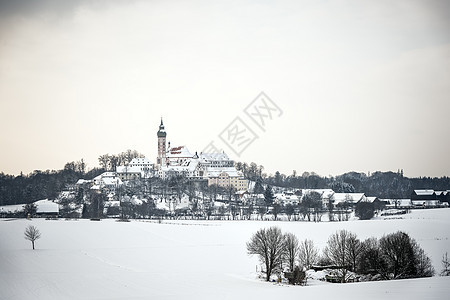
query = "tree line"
{"x": 202, "y": 199}
{"x": 393, "y": 256}
{"x": 38, "y": 185}
{"x": 386, "y": 185}
{"x": 109, "y": 162}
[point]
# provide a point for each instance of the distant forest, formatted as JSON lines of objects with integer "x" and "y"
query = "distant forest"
{"x": 47, "y": 184}
{"x": 38, "y": 185}
{"x": 23, "y": 189}
{"x": 385, "y": 185}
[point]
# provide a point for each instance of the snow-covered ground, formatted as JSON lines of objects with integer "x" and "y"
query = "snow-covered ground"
{"x": 192, "y": 259}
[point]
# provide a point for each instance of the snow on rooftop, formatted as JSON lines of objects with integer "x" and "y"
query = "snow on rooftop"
{"x": 104, "y": 175}
{"x": 350, "y": 197}
{"x": 286, "y": 197}
{"x": 83, "y": 181}
{"x": 399, "y": 202}
{"x": 140, "y": 161}
{"x": 42, "y": 206}
{"x": 174, "y": 168}
{"x": 213, "y": 156}
{"x": 178, "y": 152}
{"x": 46, "y": 206}
{"x": 242, "y": 192}
{"x": 112, "y": 181}
{"x": 12, "y": 208}
{"x": 231, "y": 171}
{"x": 191, "y": 164}
{"x": 325, "y": 193}
{"x": 424, "y": 192}
{"x": 371, "y": 199}
{"x": 135, "y": 169}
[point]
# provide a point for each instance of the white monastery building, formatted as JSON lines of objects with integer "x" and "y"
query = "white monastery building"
{"x": 139, "y": 167}
{"x": 216, "y": 168}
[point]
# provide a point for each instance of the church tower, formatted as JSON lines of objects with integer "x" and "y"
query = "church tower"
{"x": 160, "y": 160}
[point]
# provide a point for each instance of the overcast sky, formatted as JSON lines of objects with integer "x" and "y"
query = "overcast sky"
{"x": 360, "y": 85}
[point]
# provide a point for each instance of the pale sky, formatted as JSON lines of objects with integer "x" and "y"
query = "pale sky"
{"x": 362, "y": 85}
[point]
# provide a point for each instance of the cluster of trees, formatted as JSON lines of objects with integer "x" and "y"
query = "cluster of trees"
{"x": 170, "y": 190}
{"x": 93, "y": 202}
{"x": 109, "y": 162}
{"x": 201, "y": 199}
{"x": 312, "y": 208}
{"x": 394, "y": 256}
{"x": 38, "y": 185}
{"x": 251, "y": 171}
{"x": 380, "y": 184}
{"x": 277, "y": 250}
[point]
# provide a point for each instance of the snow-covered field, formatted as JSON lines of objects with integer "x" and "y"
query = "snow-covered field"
{"x": 192, "y": 259}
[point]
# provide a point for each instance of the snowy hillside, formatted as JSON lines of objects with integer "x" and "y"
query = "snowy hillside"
{"x": 192, "y": 259}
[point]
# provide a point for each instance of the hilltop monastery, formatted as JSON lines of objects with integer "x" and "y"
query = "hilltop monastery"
{"x": 215, "y": 168}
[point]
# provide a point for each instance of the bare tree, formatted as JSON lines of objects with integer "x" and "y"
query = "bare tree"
{"x": 32, "y": 234}
{"x": 312, "y": 202}
{"x": 114, "y": 162}
{"x": 97, "y": 203}
{"x": 445, "y": 265}
{"x": 370, "y": 261}
{"x": 291, "y": 250}
{"x": 212, "y": 192}
{"x": 424, "y": 267}
{"x": 260, "y": 169}
{"x": 130, "y": 154}
{"x": 276, "y": 210}
{"x": 262, "y": 211}
{"x": 337, "y": 251}
{"x": 289, "y": 210}
{"x": 80, "y": 166}
{"x": 104, "y": 161}
{"x": 307, "y": 253}
{"x": 398, "y": 253}
{"x": 179, "y": 184}
{"x": 221, "y": 212}
{"x": 354, "y": 250}
{"x": 268, "y": 244}
{"x": 403, "y": 257}
{"x": 234, "y": 210}
{"x": 246, "y": 211}
{"x": 330, "y": 207}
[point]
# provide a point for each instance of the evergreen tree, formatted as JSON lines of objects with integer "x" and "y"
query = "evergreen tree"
{"x": 268, "y": 195}
{"x": 30, "y": 209}
{"x": 364, "y": 210}
{"x": 258, "y": 189}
